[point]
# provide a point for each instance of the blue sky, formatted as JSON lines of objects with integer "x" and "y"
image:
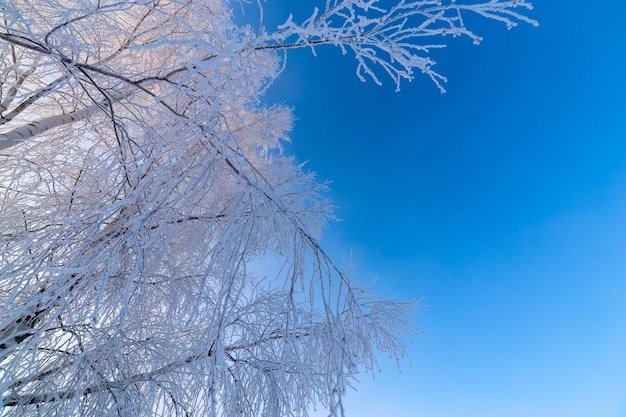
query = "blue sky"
{"x": 502, "y": 202}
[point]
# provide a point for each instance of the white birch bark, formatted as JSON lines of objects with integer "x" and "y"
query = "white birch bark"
{"x": 38, "y": 127}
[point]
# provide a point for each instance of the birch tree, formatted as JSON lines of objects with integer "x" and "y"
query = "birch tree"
{"x": 141, "y": 179}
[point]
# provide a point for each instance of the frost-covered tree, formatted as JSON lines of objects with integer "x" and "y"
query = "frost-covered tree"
{"x": 140, "y": 180}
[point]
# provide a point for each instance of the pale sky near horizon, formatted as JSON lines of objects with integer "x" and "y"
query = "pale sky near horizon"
{"x": 501, "y": 202}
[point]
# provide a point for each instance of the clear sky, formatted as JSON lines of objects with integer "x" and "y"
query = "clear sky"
{"x": 502, "y": 202}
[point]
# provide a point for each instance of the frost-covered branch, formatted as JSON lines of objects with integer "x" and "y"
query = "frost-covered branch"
{"x": 398, "y": 38}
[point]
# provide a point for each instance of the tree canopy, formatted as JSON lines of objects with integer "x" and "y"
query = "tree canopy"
{"x": 141, "y": 177}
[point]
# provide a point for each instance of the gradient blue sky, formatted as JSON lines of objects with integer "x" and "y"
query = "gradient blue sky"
{"x": 502, "y": 202}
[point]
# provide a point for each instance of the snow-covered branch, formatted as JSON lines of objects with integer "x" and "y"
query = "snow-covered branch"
{"x": 398, "y": 38}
